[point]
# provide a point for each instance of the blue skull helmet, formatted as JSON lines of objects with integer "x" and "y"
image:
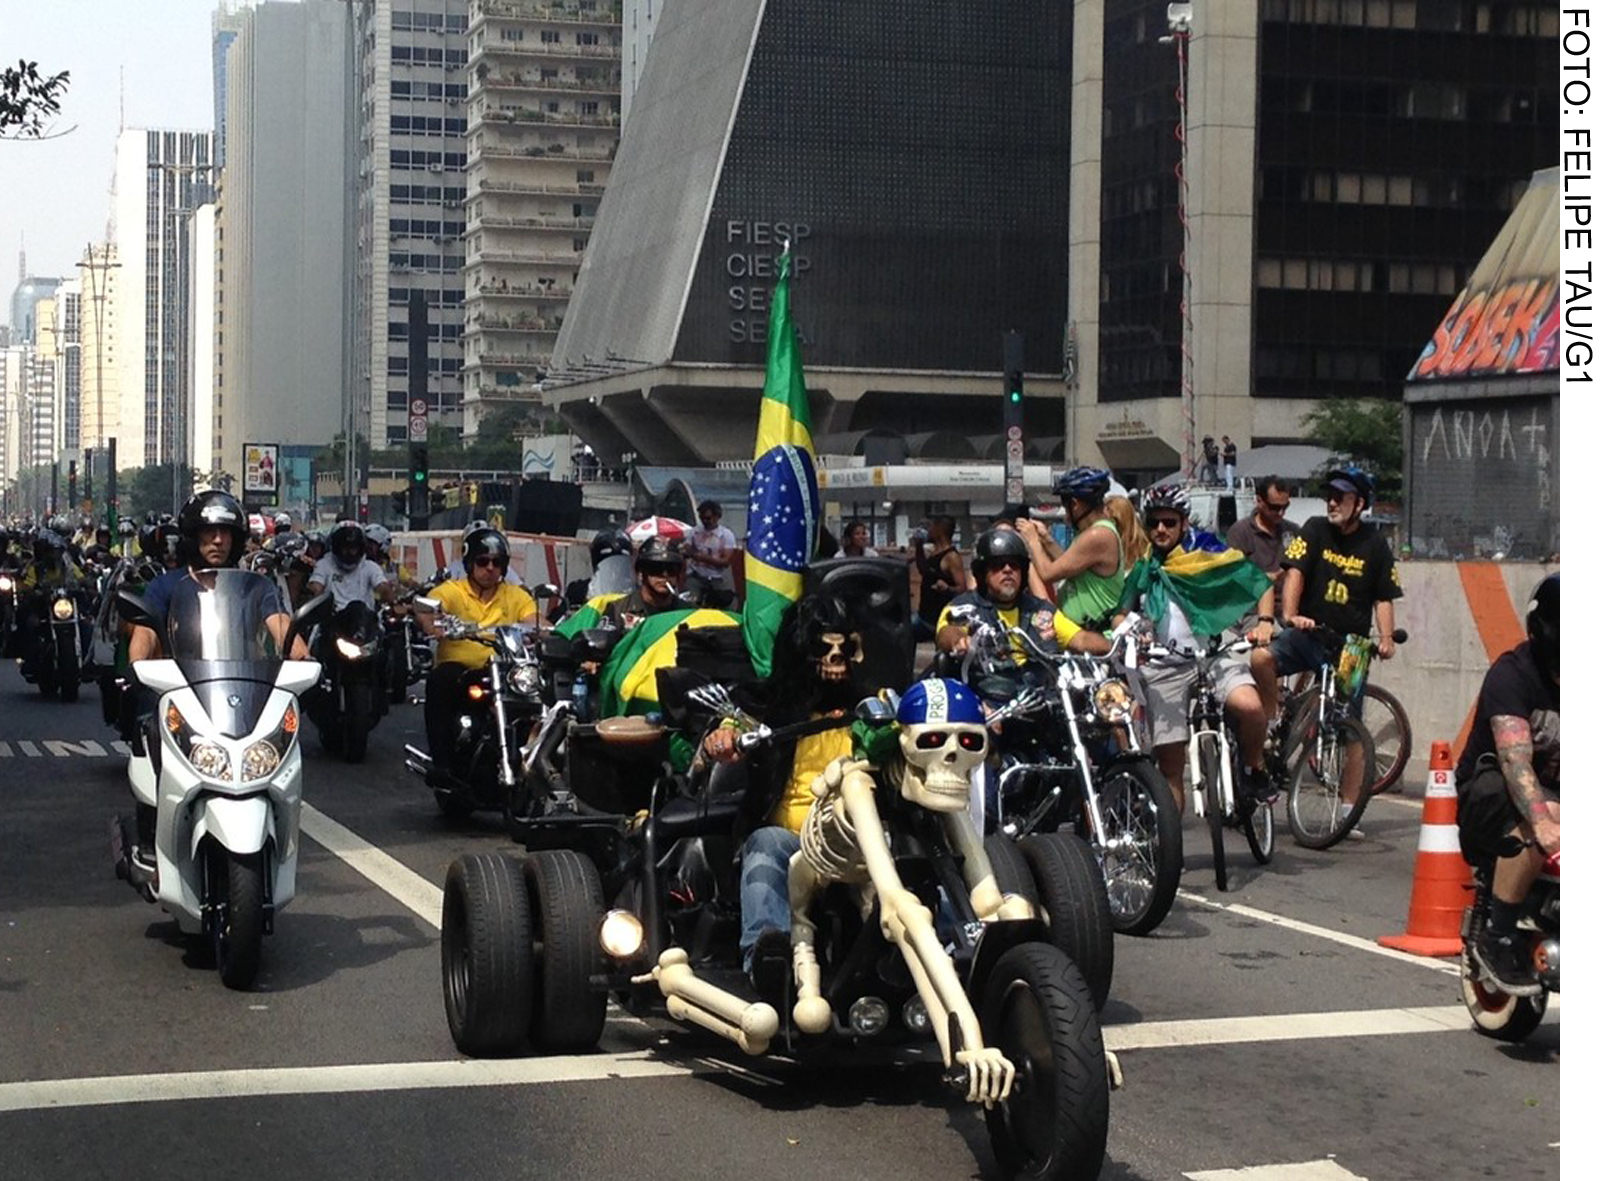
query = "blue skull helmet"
{"x": 939, "y": 699}
{"x": 943, "y": 741}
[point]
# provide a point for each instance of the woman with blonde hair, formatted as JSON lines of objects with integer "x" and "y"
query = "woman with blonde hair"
{"x": 1133, "y": 540}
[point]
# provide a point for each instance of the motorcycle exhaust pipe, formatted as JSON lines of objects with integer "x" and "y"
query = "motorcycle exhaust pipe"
{"x": 417, "y": 760}
{"x": 750, "y": 1025}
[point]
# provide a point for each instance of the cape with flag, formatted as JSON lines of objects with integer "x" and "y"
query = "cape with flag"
{"x": 782, "y": 528}
{"x": 1214, "y": 587}
{"x": 627, "y": 680}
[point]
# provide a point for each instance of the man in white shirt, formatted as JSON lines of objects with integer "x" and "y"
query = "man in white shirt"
{"x": 350, "y": 576}
{"x": 710, "y": 549}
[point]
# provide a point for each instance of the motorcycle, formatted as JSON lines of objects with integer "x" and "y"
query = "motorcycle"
{"x": 1495, "y": 1013}
{"x": 8, "y": 612}
{"x": 63, "y": 647}
{"x": 405, "y": 650}
{"x": 349, "y": 700}
{"x": 220, "y": 765}
{"x": 1070, "y": 758}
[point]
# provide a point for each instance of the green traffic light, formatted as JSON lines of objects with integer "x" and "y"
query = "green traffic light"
{"x": 1014, "y": 395}
{"x": 419, "y": 477}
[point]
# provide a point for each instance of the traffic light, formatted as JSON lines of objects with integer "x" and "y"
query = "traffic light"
{"x": 1013, "y": 417}
{"x": 400, "y": 503}
{"x": 418, "y": 487}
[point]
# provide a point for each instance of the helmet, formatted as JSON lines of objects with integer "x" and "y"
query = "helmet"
{"x": 1359, "y": 479}
{"x": 999, "y": 543}
{"x": 208, "y": 509}
{"x": 48, "y": 544}
{"x": 939, "y": 699}
{"x": 608, "y": 543}
{"x": 126, "y": 527}
{"x": 486, "y": 543}
{"x": 1542, "y": 622}
{"x": 659, "y": 551}
{"x": 1167, "y": 496}
{"x": 59, "y": 525}
{"x": 256, "y": 525}
{"x": 282, "y": 522}
{"x": 316, "y": 539}
{"x": 478, "y": 523}
{"x": 379, "y": 534}
{"x": 347, "y": 544}
{"x": 1087, "y": 484}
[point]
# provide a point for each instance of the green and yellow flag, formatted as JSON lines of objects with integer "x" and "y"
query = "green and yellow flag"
{"x": 586, "y": 616}
{"x": 783, "y": 522}
{"x": 1214, "y": 588}
{"x": 627, "y": 682}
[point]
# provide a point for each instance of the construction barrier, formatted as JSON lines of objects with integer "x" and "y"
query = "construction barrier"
{"x": 536, "y": 557}
{"x": 1442, "y": 886}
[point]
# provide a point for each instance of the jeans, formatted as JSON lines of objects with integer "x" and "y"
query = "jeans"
{"x": 764, "y": 885}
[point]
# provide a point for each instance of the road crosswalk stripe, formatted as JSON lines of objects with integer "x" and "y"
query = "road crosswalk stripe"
{"x": 1311, "y": 1170}
{"x": 386, "y": 871}
{"x": 1281, "y": 1027}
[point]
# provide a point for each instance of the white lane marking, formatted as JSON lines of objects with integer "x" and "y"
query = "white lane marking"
{"x": 1311, "y": 1170}
{"x": 1283, "y": 1027}
{"x": 63, "y": 749}
{"x": 327, "y": 1080}
{"x": 1449, "y": 968}
{"x": 1402, "y": 801}
{"x": 386, "y": 871}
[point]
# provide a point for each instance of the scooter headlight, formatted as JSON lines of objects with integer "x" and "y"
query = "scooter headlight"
{"x": 526, "y": 679}
{"x": 62, "y": 609}
{"x": 262, "y": 759}
{"x": 1112, "y": 701}
{"x": 210, "y": 759}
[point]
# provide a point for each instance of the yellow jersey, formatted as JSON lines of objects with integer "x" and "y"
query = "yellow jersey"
{"x": 813, "y": 753}
{"x": 509, "y": 604}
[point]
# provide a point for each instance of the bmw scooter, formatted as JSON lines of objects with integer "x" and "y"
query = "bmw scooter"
{"x": 218, "y": 765}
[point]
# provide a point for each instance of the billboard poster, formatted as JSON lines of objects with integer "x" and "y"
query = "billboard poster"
{"x": 260, "y": 471}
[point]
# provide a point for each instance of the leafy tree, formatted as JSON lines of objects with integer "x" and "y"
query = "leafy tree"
{"x": 1366, "y": 430}
{"x": 143, "y": 490}
{"x": 28, "y": 100}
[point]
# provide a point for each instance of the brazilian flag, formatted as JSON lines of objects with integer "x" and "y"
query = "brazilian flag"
{"x": 627, "y": 682}
{"x": 1214, "y": 587}
{"x": 585, "y": 617}
{"x": 782, "y": 528}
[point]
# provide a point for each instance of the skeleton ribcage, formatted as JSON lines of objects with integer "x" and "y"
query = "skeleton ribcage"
{"x": 829, "y": 844}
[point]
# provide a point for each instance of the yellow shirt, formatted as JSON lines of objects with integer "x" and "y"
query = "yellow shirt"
{"x": 509, "y": 604}
{"x": 1044, "y": 624}
{"x": 812, "y": 754}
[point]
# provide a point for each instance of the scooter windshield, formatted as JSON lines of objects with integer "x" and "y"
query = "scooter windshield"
{"x": 220, "y": 639}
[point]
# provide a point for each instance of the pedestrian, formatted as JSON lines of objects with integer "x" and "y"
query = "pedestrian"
{"x": 1229, "y": 458}
{"x": 1264, "y": 534}
{"x": 941, "y": 574}
{"x": 854, "y": 540}
{"x": 711, "y": 552}
{"x": 1209, "y": 469}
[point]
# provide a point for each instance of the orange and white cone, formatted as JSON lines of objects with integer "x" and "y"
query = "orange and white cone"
{"x": 1442, "y": 885}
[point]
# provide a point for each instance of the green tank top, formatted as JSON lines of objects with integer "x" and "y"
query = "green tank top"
{"x": 1090, "y": 598}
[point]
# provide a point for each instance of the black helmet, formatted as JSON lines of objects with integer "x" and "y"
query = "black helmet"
{"x": 1542, "y": 623}
{"x": 995, "y": 544}
{"x": 659, "y": 551}
{"x": 608, "y": 543}
{"x": 211, "y": 508}
{"x": 486, "y": 542}
{"x": 48, "y": 544}
{"x": 347, "y": 544}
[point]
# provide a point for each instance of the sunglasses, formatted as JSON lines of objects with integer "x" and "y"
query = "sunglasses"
{"x": 1002, "y": 564}
{"x": 1279, "y": 509}
{"x": 1154, "y": 523}
{"x": 664, "y": 570}
{"x": 483, "y": 563}
{"x": 1333, "y": 495}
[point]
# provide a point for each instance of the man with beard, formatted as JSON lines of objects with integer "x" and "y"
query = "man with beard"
{"x": 817, "y": 652}
{"x": 658, "y": 569}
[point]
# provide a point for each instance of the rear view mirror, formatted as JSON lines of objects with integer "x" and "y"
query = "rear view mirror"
{"x": 876, "y": 711}
{"x": 546, "y": 590}
{"x": 428, "y": 606}
{"x": 132, "y": 609}
{"x": 315, "y": 611}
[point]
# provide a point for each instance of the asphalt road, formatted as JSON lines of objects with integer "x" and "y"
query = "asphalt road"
{"x": 1271, "y": 1036}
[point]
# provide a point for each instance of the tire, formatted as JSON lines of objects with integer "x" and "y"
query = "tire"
{"x": 1497, "y": 1014}
{"x": 1009, "y": 867}
{"x": 356, "y": 721}
{"x": 568, "y": 1012}
{"x": 1386, "y": 720}
{"x": 1214, "y": 791}
{"x": 1038, "y": 1011}
{"x": 67, "y": 666}
{"x": 451, "y": 804}
{"x": 236, "y": 886}
{"x": 1142, "y": 864}
{"x": 1318, "y": 815}
{"x": 487, "y": 955}
{"x": 1260, "y": 828}
{"x": 397, "y": 672}
{"x": 1075, "y": 904}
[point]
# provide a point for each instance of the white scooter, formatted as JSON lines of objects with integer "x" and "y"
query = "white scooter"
{"x": 219, "y": 763}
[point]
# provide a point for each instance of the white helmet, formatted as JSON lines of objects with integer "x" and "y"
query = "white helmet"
{"x": 379, "y": 534}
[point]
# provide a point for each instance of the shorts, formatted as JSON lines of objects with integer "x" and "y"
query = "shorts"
{"x": 1485, "y": 814}
{"x": 1166, "y": 689}
{"x": 1298, "y": 651}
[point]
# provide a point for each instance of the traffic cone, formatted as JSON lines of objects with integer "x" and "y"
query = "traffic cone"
{"x": 1442, "y": 885}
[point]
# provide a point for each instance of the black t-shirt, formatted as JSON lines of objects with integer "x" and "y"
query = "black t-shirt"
{"x": 1345, "y": 574}
{"x": 1515, "y": 687}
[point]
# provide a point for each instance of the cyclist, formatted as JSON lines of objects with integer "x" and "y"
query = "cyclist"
{"x": 1340, "y": 573}
{"x": 1190, "y": 589}
{"x": 1507, "y": 784}
{"x": 1093, "y": 569}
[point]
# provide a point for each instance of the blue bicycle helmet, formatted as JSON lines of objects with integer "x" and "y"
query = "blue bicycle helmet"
{"x": 1359, "y": 479}
{"x": 1087, "y": 484}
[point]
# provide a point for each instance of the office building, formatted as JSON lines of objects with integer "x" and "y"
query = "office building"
{"x": 99, "y": 284}
{"x": 544, "y": 119}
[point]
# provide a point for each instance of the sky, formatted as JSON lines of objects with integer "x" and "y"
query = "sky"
{"x": 55, "y": 194}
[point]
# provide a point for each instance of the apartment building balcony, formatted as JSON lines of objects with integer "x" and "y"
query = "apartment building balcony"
{"x": 606, "y": 16}
{"x": 534, "y": 258}
{"x": 549, "y": 51}
{"x": 538, "y": 361}
{"x": 495, "y": 222}
{"x": 564, "y": 153}
{"x": 537, "y": 290}
{"x": 532, "y": 117}
{"x": 493, "y": 184}
{"x": 521, "y": 82}
{"x": 527, "y": 325}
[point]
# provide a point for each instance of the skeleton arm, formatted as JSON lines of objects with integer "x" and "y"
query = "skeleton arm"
{"x": 985, "y": 895}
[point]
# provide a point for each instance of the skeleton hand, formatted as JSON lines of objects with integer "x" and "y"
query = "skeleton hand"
{"x": 991, "y": 1075}
{"x": 828, "y": 783}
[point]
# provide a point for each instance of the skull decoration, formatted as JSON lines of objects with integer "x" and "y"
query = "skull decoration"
{"x": 837, "y": 652}
{"x": 943, "y": 740}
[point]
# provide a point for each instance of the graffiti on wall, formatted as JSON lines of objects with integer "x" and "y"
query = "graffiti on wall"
{"x": 1484, "y": 480}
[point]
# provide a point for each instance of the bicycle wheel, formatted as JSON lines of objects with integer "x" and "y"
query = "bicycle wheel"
{"x": 1386, "y": 720}
{"x": 1214, "y": 790}
{"x": 1322, "y": 761}
{"x": 1260, "y": 827}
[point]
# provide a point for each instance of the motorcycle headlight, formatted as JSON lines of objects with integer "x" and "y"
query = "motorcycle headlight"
{"x": 259, "y": 761}
{"x": 526, "y": 679}
{"x": 210, "y": 759}
{"x": 5, "y": 582}
{"x": 1112, "y": 701}
{"x": 351, "y": 651}
{"x": 62, "y": 609}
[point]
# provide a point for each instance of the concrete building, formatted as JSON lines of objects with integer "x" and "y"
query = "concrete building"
{"x": 408, "y": 179}
{"x": 68, "y": 317}
{"x": 39, "y": 415}
{"x": 13, "y": 377}
{"x": 919, "y": 167}
{"x": 25, "y": 297}
{"x": 1348, "y": 161}
{"x": 228, "y": 20}
{"x": 544, "y": 118}
{"x": 281, "y": 216}
{"x": 204, "y": 383}
{"x": 99, "y": 403}
{"x": 638, "y": 28}
{"x": 161, "y": 178}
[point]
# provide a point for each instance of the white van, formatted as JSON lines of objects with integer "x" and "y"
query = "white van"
{"x": 1216, "y": 508}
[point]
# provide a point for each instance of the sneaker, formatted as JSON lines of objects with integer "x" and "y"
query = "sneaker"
{"x": 1500, "y": 960}
{"x": 1259, "y": 786}
{"x": 1355, "y": 833}
{"x": 770, "y": 965}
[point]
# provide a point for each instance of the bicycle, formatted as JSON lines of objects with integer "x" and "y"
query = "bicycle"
{"x": 1326, "y": 750}
{"x": 1212, "y": 762}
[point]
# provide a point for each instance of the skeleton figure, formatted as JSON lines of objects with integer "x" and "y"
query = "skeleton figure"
{"x": 843, "y": 840}
{"x": 837, "y": 652}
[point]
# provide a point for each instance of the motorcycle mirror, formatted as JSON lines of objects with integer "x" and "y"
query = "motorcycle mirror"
{"x": 875, "y": 711}
{"x": 546, "y": 590}
{"x": 427, "y": 605}
{"x": 316, "y": 610}
{"x": 689, "y": 598}
{"x": 132, "y": 609}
